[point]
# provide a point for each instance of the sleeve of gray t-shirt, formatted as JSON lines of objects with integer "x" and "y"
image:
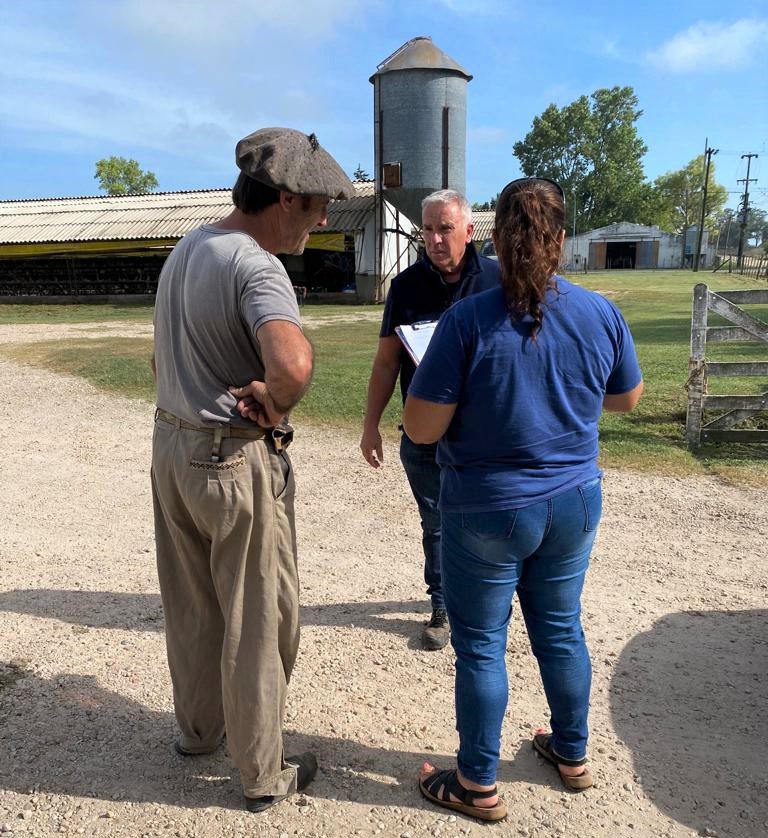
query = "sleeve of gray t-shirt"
{"x": 266, "y": 292}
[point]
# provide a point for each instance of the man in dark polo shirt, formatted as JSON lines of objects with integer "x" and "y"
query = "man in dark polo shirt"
{"x": 450, "y": 270}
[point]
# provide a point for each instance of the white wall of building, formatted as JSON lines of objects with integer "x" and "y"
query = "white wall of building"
{"x": 398, "y": 251}
{"x": 576, "y": 250}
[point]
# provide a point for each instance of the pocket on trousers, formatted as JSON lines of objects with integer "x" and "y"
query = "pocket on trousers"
{"x": 490, "y": 526}
{"x": 280, "y": 469}
{"x": 222, "y": 471}
{"x": 592, "y": 496}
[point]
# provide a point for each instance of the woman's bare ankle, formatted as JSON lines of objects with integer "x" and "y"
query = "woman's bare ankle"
{"x": 481, "y": 802}
{"x": 570, "y": 770}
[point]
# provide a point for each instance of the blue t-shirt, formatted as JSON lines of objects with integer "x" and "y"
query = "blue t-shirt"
{"x": 525, "y": 427}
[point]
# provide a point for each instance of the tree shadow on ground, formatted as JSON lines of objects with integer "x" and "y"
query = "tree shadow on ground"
{"x": 144, "y": 612}
{"x": 689, "y": 698}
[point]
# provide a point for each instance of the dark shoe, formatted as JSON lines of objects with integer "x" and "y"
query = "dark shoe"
{"x": 183, "y": 752}
{"x": 449, "y": 782}
{"x": 436, "y": 632}
{"x": 542, "y": 744}
{"x": 306, "y": 768}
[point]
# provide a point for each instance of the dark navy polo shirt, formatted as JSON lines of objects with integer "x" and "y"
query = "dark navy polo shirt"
{"x": 420, "y": 293}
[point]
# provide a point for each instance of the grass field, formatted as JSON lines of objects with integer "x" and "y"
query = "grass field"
{"x": 657, "y": 306}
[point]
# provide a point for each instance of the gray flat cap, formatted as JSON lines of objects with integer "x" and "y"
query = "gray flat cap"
{"x": 293, "y": 162}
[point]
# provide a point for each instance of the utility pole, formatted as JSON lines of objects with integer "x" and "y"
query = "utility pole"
{"x": 573, "y": 237}
{"x": 708, "y": 153}
{"x": 744, "y": 208}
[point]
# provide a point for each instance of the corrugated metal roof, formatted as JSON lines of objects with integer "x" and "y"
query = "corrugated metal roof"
{"x": 348, "y": 216}
{"x": 364, "y": 188}
{"x": 483, "y": 220}
{"x": 157, "y": 215}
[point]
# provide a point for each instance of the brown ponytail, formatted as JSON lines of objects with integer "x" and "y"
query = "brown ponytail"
{"x": 530, "y": 217}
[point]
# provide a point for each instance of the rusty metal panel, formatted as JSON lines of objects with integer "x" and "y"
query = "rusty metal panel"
{"x": 597, "y": 255}
{"x": 644, "y": 254}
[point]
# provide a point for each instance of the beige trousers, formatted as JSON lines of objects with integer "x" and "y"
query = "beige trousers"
{"x": 226, "y": 559}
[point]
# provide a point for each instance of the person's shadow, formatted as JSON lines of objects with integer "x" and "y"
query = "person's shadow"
{"x": 69, "y": 735}
{"x": 117, "y": 610}
{"x": 690, "y": 698}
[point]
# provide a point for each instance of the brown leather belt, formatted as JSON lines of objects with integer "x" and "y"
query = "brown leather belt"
{"x": 281, "y": 436}
{"x": 219, "y": 430}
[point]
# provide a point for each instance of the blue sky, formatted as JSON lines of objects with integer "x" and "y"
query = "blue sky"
{"x": 175, "y": 83}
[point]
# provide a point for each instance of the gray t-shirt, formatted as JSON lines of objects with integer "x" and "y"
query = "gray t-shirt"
{"x": 215, "y": 290}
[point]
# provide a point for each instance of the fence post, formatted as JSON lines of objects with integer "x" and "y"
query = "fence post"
{"x": 697, "y": 383}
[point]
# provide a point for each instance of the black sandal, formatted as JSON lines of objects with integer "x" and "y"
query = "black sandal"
{"x": 542, "y": 744}
{"x": 449, "y": 780}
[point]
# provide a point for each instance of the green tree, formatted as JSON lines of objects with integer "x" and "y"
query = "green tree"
{"x": 486, "y": 205}
{"x": 757, "y": 228}
{"x": 677, "y": 198}
{"x": 592, "y": 149}
{"x": 360, "y": 173}
{"x": 725, "y": 229}
{"x": 122, "y": 176}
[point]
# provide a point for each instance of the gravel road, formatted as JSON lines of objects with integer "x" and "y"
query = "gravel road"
{"x": 675, "y": 614}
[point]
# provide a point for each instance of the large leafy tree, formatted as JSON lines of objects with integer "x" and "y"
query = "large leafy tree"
{"x": 757, "y": 228}
{"x": 678, "y": 196}
{"x": 592, "y": 149}
{"x": 123, "y": 176}
{"x": 725, "y": 229}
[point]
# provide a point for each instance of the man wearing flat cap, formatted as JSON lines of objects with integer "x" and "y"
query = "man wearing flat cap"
{"x": 222, "y": 481}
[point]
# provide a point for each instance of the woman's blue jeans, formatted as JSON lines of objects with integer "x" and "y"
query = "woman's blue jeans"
{"x": 542, "y": 552}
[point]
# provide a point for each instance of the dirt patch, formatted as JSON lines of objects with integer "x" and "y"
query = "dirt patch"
{"x": 674, "y": 612}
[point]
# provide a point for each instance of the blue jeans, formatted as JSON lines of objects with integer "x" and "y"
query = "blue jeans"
{"x": 542, "y": 552}
{"x": 423, "y": 475}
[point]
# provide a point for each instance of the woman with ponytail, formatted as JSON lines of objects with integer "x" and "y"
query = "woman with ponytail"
{"x": 513, "y": 384}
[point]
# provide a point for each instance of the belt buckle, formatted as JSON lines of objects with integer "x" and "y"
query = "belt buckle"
{"x": 282, "y": 436}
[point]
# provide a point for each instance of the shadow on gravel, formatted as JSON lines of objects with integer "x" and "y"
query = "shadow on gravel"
{"x": 144, "y": 612}
{"x": 689, "y": 698}
{"x": 69, "y": 736}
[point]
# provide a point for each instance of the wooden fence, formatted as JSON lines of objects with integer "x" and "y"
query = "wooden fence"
{"x": 750, "y": 266}
{"x": 732, "y": 409}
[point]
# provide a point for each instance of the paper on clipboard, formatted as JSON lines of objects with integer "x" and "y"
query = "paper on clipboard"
{"x": 416, "y": 338}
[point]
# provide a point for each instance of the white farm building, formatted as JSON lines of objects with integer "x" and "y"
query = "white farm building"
{"x": 626, "y": 246}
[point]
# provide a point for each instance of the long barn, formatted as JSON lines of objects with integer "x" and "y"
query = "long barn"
{"x": 116, "y": 245}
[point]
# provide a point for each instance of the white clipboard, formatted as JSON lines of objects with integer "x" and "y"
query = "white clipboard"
{"x": 416, "y": 338}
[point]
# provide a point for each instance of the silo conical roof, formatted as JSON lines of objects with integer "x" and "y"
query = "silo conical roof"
{"x": 419, "y": 54}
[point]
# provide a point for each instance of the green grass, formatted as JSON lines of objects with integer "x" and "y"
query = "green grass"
{"x": 17, "y": 314}
{"x": 651, "y": 438}
{"x": 116, "y": 365}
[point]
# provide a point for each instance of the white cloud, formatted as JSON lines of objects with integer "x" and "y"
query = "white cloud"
{"x": 713, "y": 46}
{"x": 487, "y": 135}
{"x": 186, "y": 25}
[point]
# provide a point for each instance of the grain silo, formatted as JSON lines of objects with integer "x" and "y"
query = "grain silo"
{"x": 420, "y": 124}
